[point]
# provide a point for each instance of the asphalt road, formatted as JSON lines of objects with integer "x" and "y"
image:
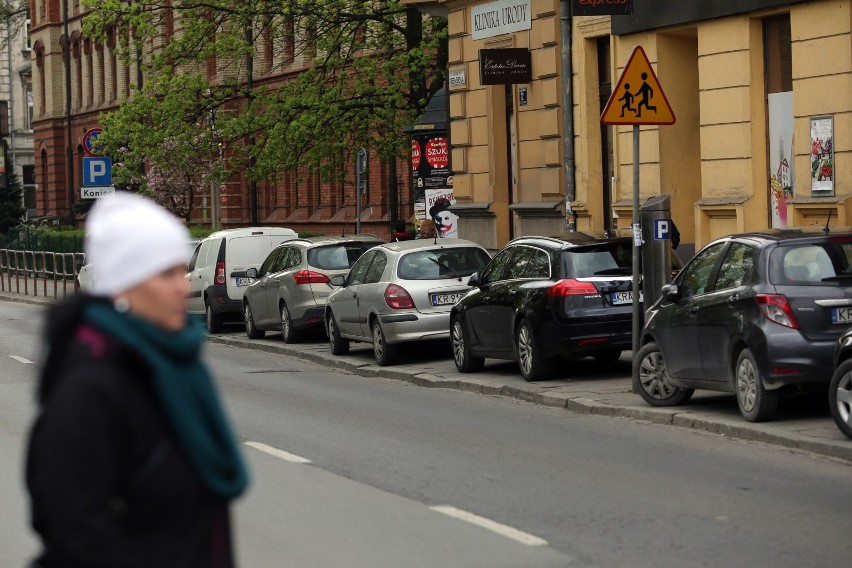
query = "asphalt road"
{"x": 389, "y": 460}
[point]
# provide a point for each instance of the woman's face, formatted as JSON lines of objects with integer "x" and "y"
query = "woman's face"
{"x": 161, "y": 299}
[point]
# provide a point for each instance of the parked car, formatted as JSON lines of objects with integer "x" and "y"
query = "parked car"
{"x": 400, "y": 292}
{"x": 542, "y": 299}
{"x": 217, "y": 270}
{"x": 840, "y": 389}
{"x": 294, "y": 281}
{"x": 86, "y": 273}
{"x": 752, "y": 314}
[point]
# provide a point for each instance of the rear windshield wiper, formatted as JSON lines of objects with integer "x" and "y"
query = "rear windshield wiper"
{"x": 445, "y": 267}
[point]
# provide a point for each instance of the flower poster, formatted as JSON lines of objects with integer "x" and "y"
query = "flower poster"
{"x": 822, "y": 155}
{"x": 781, "y": 187}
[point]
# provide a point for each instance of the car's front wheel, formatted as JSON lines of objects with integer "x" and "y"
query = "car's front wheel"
{"x": 384, "y": 352}
{"x": 533, "y": 365}
{"x": 756, "y": 403}
{"x": 465, "y": 362}
{"x": 338, "y": 345}
{"x": 651, "y": 376}
{"x": 840, "y": 397}
{"x": 251, "y": 329}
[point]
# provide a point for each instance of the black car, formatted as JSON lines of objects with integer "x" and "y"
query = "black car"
{"x": 840, "y": 389}
{"x": 750, "y": 314}
{"x": 545, "y": 298}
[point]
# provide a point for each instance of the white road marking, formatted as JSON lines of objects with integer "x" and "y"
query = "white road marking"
{"x": 494, "y": 526}
{"x": 286, "y": 456}
{"x": 21, "y": 360}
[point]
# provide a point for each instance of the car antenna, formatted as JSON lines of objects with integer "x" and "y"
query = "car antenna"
{"x": 826, "y": 229}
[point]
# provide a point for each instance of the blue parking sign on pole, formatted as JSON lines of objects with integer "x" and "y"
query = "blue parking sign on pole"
{"x": 662, "y": 229}
{"x": 97, "y": 171}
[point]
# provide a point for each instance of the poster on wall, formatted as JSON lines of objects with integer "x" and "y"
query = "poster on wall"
{"x": 438, "y": 202}
{"x": 822, "y": 155}
{"x": 781, "y": 184}
{"x": 430, "y": 163}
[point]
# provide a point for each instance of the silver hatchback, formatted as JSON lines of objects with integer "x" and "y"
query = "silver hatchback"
{"x": 400, "y": 292}
{"x": 291, "y": 286}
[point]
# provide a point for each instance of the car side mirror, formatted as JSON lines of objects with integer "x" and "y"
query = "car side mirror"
{"x": 251, "y": 273}
{"x": 474, "y": 280}
{"x": 671, "y": 292}
{"x": 338, "y": 280}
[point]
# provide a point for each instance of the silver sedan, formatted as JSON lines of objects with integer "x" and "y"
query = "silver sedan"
{"x": 399, "y": 292}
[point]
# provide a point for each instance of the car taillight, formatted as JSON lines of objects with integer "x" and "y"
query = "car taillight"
{"x": 220, "y": 273}
{"x": 571, "y": 287}
{"x": 310, "y": 277}
{"x": 398, "y": 298}
{"x": 777, "y": 309}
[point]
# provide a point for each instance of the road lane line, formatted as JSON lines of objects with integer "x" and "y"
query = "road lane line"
{"x": 21, "y": 360}
{"x": 281, "y": 454}
{"x": 493, "y": 526}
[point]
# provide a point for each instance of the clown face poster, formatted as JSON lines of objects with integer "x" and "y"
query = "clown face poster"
{"x": 438, "y": 202}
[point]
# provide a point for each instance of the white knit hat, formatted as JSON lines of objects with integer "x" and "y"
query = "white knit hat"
{"x": 130, "y": 239}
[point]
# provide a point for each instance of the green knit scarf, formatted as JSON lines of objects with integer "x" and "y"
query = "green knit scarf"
{"x": 186, "y": 392}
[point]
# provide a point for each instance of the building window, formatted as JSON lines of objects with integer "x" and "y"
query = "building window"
{"x": 43, "y": 167}
{"x": 27, "y": 35}
{"x": 29, "y": 96}
{"x": 29, "y": 188}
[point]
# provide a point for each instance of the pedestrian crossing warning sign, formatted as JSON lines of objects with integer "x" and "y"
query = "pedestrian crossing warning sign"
{"x": 638, "y": 97}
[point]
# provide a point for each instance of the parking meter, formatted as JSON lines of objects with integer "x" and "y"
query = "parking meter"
{"x": 657, "y": 228}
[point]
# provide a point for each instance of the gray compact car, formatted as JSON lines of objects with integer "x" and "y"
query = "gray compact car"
{"x": 292, "y": 284}
{"x": 400, "y": 292}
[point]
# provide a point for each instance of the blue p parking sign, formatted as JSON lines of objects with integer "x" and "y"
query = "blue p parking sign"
{"x": 97, "y": 171}
{"x": 662, "y": 229}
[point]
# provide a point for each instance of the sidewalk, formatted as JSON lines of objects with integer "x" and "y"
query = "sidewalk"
{"x": 581, "y": 386}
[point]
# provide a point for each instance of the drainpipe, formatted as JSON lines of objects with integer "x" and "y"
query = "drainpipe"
{"x": 567, "y": 115}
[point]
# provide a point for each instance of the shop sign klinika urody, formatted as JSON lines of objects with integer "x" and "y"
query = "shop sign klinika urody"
{"x": 501, "y": 17}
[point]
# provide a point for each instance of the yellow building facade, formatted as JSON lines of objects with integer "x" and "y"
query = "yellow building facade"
{"x": 763, "y": 101}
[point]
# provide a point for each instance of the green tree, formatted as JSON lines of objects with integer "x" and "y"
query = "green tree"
{"x": 372, "y": 67}
{"x": 11, "y": 199}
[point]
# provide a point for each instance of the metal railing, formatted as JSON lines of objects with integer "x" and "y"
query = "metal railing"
{"x": 25, "y": 270}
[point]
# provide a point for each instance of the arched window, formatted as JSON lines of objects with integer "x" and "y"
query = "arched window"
{"x": 43, "y": 180}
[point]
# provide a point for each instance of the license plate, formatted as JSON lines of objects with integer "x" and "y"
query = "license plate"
{"x": 621, "y": 298}
{"x": 841, "y": 315}
{"x": 446, "y": 299}
{"x": 244, "y": 282}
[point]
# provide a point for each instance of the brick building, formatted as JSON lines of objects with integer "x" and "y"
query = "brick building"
{"x": 99, "y": 81}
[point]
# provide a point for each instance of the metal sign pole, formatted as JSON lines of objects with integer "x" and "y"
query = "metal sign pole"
{"x": 637, "y": 243}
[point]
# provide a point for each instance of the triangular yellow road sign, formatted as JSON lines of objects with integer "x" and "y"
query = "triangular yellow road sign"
{"x": 638, "y": 97}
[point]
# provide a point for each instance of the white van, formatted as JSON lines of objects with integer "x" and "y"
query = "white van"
{"x": 217, "y": 270}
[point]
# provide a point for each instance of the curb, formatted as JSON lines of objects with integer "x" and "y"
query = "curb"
{"x": 681, "y": 418}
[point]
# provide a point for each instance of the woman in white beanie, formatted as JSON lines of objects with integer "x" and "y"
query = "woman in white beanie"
{"x": 132, "y": 462}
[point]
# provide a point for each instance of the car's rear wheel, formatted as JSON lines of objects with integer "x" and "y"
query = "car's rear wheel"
{"x": 840, "y": 397}
{"x": 338, "y": 345}
{"x": 251, "y": 329}
{"x": 212, "y": 319}
{"x": 465, "y": 362}
{"x": 288, "y": 333}
{"x": 651, "y": 376}
{"x": 533, "y": 365}
{"x": 384, "y": 352}
{"x": 756, "y": 403}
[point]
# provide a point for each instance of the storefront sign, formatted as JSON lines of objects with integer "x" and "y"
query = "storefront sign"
{"x": 506, "y": 66}
{"x": 501, "y": 17}
{"x": 822, "y": 155}
{"x": 602, "y": 7}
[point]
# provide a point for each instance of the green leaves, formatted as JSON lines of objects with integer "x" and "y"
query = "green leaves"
{"x": 329, "y": 76}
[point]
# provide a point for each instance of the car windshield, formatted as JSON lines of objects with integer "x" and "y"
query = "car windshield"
{"x": 605, "y": 259}
{"x": 812, "y": 264}
{"x": 338, "y": 256}
{"x": 441, "y": 263}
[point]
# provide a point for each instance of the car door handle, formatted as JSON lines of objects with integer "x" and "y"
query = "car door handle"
{"x": 733, "y": 299}
{"x": 693, "y": 310}
{"x": 355, "y": 295}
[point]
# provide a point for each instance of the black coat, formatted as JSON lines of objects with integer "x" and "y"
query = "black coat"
{"x": 110, "y": 484}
